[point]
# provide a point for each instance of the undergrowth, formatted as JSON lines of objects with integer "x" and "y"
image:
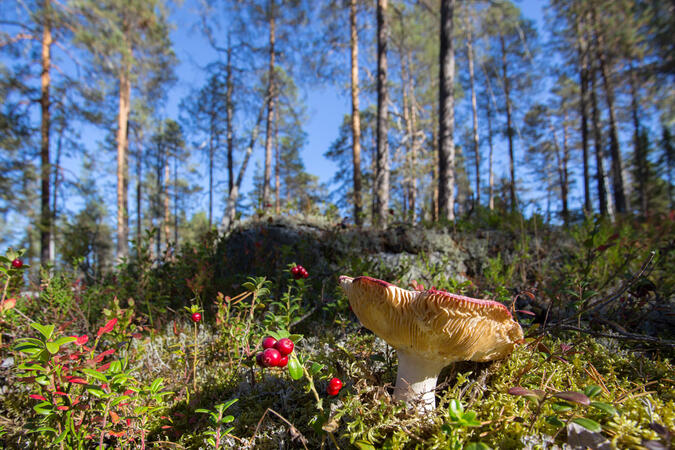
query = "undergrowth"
{"x": 123, "y": 361}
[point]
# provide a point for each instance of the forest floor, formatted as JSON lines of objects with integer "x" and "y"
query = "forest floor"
{"x": 162, "y": 353}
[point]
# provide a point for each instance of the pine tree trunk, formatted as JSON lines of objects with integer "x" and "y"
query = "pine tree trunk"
{"x": 45, "y": 168}
{"x": 175, "y": 202}
{"x": 229, "y": 111}
{"x": 408, "y": 138}
{"x": 414, "y": 143}
{"x": 474, "y": 109}
{"x": 167, "y": 206}
{"x": 270, "y": 114}
{"x": 446, "y": 116}
{"x": 212, "y": 151}
{"x": 231, "y": 208}
{"x": 583, "y": 112}
{"x": 640, "y": 151}
{"x": 491, "y": 173}
{"x": 564, "y": 185}
{"x": 615, "y": 152}
{"x": 277, "y": 162}
{"x": 597, "y": 139}
{"x": 356, "y": 116}
{"x": 382, "y": 160}
{"x": 139, "y": 192}
{"x": 122, "y": 165}
{"x": 509, "y": 126}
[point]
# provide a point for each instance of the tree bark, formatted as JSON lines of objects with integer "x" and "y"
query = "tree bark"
{"x": 167, "y": 206}
{"x": 640, "y": 151}
{"x": 122, "y": 165}
{"x": 277, "y": 162}
{"x": 474, "y": 109}
{"x": 229, "y": 112}
{"x": 509, "y": 126}
{"x": 231, "y": 208}
{"x": 382, "y": 163}
{"x": 356, "y": 115}
{"x": 582, "y": 49}
{"x": 446, "y": 116}
{"x": 139, "y": 169}
{"x": 45, "y": 167}
{"x": 615, "y": 152}
{"x": 491, "y": 173}
{"x": 599, "y": 152}
{"x": 270, "y": 112}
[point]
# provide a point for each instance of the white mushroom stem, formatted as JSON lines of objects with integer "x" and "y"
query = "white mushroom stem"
{"x": 416, "y": 380}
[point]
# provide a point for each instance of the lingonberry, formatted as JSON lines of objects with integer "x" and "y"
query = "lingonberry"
{"x": 269, "y": 342}
{"x": 196, "y": 317}
{"x": 271, "y": 357}
{"x": 283, "y": 361}
{"x": 17, "y": 263}
{"x": 334, "y": 386}
{"x": 285, "y": 346}
{"x": 295, "y": 271}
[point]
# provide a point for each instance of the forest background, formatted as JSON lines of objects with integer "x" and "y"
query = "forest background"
{"x": 212, "y": 112}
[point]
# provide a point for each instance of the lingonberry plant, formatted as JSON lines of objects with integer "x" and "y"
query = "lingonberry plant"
{"x": 281, "y": 313}
{"x": 217, "y": 419}
{"x": 196, "y": 317}
{"x": 84, "y": 395}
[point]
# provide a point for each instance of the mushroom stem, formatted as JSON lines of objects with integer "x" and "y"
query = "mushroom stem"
{"x": 416, "y": 380}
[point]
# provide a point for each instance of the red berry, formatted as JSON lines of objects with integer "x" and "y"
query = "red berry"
{"x": 297, "y": 272}
{"x": 269, "y": 342}
{"x": 294, "y": 270}
{"x": 271, "y": 357}
{"x": 17, "y": 263}
{"x": 283, "y": 361}
{"x": 196, "y": 317}
{"x": 285, "y": 346}
{"x": 259, "y": 359}
{"x": 335, "y": 384}
{"x": 332, "y": 392}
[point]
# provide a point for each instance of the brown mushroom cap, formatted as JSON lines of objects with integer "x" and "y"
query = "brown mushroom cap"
{"x": 435, "y": 325}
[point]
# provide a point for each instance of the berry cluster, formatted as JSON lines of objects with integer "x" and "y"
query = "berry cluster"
{"x": 334, "y": 386}
{"x": 275, "y": 353}
{"x": 299, "y": 272}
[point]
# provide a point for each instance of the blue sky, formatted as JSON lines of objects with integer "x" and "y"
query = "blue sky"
{"x": 326, "y": 105}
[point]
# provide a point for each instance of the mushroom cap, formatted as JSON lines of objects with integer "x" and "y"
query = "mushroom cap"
{"x": 434, "y": 325}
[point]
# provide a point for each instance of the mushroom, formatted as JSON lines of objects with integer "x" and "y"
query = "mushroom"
{"x": 429, "y": 330}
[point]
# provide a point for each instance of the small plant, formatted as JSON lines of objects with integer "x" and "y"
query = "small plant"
{"x": 196, "y": 317}
{"x": 83, "y": 395}
{"x": 459, "y": 421}
{"x": 217, "y": 420}
{"x": 564, "y": 406}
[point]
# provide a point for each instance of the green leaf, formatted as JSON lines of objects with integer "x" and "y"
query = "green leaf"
{"x": 561, "y": 407}
{"x": 476, "y": 446}
{"x": 589, "y": 424}
{"x": 211, "y": 441}
{"x": 592, "y": 390}
{"x": 227, "y": 419}
{"x": 44, "y": 408}
{"x": 553, "y": 420}
{"x": 294, "y": 368}
{"x": 362, "y": 444}
{"x": 45, "y": 330}
{"x": 295, "y": 338}
{"x": 605, "y": 407}
{"x": 154, "y": 387}
{"x": 52, "y": 347}
{"x": 65, "y": 340}
{"x": 316, "y": 368}
{"x": 202, "y": 410}
{"x": 61, "y": 437}
{"x": 29, "y": 348}
{"x": 95, "y": 374}
{"x": 229, "y": 403}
